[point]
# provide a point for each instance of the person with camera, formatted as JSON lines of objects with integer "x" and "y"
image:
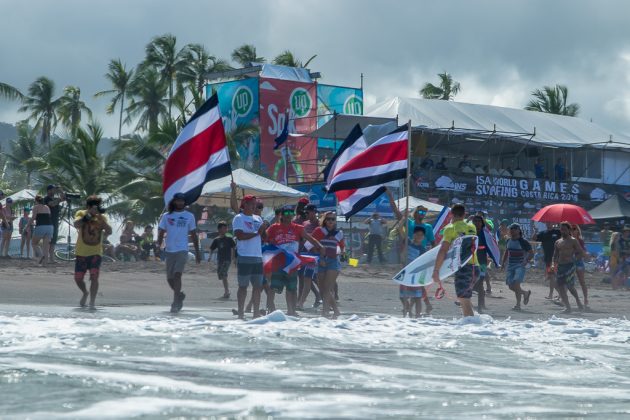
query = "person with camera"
{"x": 54, "y": 197}
{"x": 92, "y": 227}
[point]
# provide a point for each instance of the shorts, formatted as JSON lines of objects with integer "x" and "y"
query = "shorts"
{"x": 579, "y": 265}
{"x": 90, "y": 263}
{"x": 332, "y": 264}
{"x": 565, "y": 274}
{"x": 410, "y": 292}
{"x": 309, "y": 271}
{"x": 282, "y": 279}
{"x": 222, "y": 269}
{"x": 515, "y": 274}
{"x": 43, "y": 231}
{"x": 249, "y": 270}
{"x": 175, "y": 263}
{"x": 465, "y": 279}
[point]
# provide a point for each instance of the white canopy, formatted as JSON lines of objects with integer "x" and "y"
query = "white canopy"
{"x": 272, "y": 193}
{"x": 415, "y": 202}
{"x": 550, "y": 129}
{"x": 22, "y": 195}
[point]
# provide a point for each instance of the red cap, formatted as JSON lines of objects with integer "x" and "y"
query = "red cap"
{"x": 303, "y": 200}
{"x": 247, "y": 198}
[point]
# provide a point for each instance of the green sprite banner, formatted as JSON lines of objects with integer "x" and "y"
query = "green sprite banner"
{"x": 238, "y": 101}
{"x": 342, "y": 100}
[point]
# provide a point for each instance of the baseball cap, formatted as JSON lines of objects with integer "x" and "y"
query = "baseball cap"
{"x": 515, "y": 226}
{"x": 310, "y": 207}
{"x": 626, "y": 227}
{"x": 179, "y": 196}
{"x": 247, "y": 198}
{"x": 9, "y": 200}
{"x": 303, "y": 200}
{"x": 288, "y": 209}
{"x": 51, "y": 187}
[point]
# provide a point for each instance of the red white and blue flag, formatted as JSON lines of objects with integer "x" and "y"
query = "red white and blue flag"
{"x": 277, "y": 259}
{"x": 381, "y": 162}
{"x": 443, "y": 219}
{"x": 356, "y": 199}
{"x": 200, "y": 154}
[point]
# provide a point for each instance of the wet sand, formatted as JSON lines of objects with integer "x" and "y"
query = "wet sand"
{"x": 140, "y": 289}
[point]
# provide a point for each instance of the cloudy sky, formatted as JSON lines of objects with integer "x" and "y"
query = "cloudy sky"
{"x": 498, "y": 50}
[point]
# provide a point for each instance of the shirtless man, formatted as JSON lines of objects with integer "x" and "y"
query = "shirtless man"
{"x": 566, "y": 251}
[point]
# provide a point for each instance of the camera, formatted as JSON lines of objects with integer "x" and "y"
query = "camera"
{"x": 72, "y": 196}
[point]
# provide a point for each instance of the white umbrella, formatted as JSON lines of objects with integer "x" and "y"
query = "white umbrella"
{"x": 272, "y": 193}
{"x": 22, "y": 195}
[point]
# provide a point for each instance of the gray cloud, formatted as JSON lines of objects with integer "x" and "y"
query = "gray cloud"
{"x": 500, "y": 51}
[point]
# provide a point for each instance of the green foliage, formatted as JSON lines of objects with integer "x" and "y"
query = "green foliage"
{"x": 552, "y": 100}
{"x": 447, "y": 89}
{"x": 245, "y": 55}
{"x": 120, "y": 79}
{"x": 9, "y": 92}
{"x": 26, "y": 156}
{"x": 42, "y": 107}
{"x": 287, "y": 58}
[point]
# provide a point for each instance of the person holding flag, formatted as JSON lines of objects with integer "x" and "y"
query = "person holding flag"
{"x": 286, "y": 236}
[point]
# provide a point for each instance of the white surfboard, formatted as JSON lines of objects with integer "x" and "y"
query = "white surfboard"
{"x": 419, "y": 272}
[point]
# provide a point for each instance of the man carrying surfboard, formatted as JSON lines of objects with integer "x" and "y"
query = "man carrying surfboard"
{"x": 467, "y": 274}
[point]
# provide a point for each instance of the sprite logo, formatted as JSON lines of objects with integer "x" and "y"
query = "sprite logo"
{"x": 353, "y": 105}
{"x": 300, "y": 102}
{"x": 242, "y": 101}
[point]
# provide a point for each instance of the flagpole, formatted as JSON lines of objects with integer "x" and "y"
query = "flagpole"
{"x": 286, "y": 160}
{"x": 408, "y": 184}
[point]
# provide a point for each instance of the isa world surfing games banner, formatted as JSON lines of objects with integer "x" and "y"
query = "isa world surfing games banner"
{"x": 342, "y": 100}
{"x": 238, "y": 101}
{"x": 280, "y": 99}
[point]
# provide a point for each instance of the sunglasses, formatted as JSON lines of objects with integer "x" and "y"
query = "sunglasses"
{"x": 330, "y": 219}
{"x": 260, "y": 207}
{"x": 288, "y": 213}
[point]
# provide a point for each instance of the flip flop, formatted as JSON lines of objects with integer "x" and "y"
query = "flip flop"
{"x": 526, "y": 298}
{"x": 517, "y": 309}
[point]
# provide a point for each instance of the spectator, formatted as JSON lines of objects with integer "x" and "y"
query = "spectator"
{"x": 7, "y": 227}
{"x": 375, "y": 237}
{"x": 25, "y": 233}
{"x": 559, "y": 170}
{"x": 539, "y": 170}
{"x": 465, "y": 163}
{"x": 54, "y": 196}
{"x": 441, "y": 165}
{"x": 427, "y": 162}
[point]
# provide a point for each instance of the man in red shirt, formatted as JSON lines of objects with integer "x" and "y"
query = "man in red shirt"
{"x": 287, "y": 235}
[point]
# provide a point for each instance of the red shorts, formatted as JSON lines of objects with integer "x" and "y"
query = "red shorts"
{"x": 82, "y": 265}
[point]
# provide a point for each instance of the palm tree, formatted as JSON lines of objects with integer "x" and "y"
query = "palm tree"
{"x": 77, "y": 165}
{"x": 9, "y": 92}
{"x": 286, "y": 58}
{"x": 200, "y": 63}
{"x": 162, "y": 54}
{"x": 71, "y": 107}
{"x": 120, "y": 79}
{"x": 245, "y": 55}
{"x": 447, "y": 89}
{"x": 42, "y": 106}
{"x": 147, "y": 92}
{"x": 552, "y": 100}
{"x": 240, "y": 137}
{"x": 26, "y": 157}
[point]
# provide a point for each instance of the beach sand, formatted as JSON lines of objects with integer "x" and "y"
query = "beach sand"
{"x": 139, "y": 289}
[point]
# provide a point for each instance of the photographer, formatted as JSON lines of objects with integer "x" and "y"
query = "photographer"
{"x": 92, "y": 228}
{"x": 54, "y": 196}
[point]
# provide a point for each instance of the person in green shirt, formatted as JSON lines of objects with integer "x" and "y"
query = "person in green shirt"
{"x": 466, "y": 276}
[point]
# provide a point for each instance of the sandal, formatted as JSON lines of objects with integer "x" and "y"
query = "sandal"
{"x": 517, "y": 309}
{"x": 526, "y": 297}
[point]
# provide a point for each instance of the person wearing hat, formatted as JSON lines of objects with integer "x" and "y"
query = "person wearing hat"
{"x": 287, "y": 235}
{"x": 308, "y": 273}
{"x": 248, "y": 228}
{"x": 518, "y": 254}
{"x": 179, "y": 226}
{"x": 54, "y": 196}
{"x": 92, "y": 228}
{"x": 418, "y": 220}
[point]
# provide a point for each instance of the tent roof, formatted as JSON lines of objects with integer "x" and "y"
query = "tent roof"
{"x": 549, "y": 129}
{"x": 339, "y": 126}
{"x": 272, "y": 193}
{"x": 614, "y": 208}
{"x": 415, "y": 202}
{"x": 22, "y": 195}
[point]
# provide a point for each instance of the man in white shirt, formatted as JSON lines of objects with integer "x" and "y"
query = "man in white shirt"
{"x": 248, "y": 228}
{"x": 178, "y": 224}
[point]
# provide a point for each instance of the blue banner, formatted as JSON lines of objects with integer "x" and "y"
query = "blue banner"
{"x": 342, "y": 100}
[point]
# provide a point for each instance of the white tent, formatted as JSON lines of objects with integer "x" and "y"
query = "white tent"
{"x": 550, "y": 129}
{"x": 272, "y": 193}
{"x": 415, "y": 202}
{"x": 22, "y": 195}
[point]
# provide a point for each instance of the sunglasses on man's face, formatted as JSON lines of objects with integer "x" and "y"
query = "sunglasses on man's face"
{"x": 260, "y": 207}
{"x": 330, "y": 219}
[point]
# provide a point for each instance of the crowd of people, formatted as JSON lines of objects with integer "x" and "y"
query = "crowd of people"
{"x": 302, "y": 232}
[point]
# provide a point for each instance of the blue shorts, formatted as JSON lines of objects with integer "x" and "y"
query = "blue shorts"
{"x": 515, "y": 274}
{"x": 332, "y": 264}
{"x": 579, "y": 265}
{"x": 410, "y": 292}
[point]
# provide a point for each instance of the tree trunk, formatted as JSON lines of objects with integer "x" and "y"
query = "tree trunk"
{"x": 122, "y": 101}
